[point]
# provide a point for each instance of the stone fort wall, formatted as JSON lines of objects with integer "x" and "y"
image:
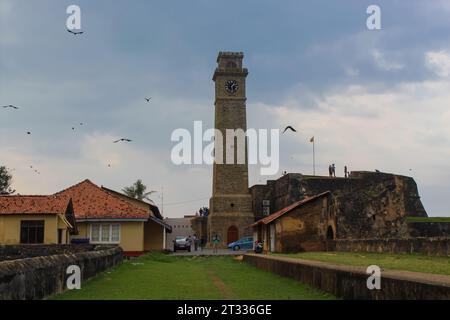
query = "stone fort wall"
{"x": 428, "y": 246}
{"x": 39, "y": 277}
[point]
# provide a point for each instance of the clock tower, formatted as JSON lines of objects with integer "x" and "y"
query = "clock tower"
{"x": 231, "y": 202}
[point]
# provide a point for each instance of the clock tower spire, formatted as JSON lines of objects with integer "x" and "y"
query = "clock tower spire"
{"x": 231, "y": 202}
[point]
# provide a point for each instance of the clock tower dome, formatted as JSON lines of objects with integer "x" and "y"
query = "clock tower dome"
{"x": 231, "y": 202}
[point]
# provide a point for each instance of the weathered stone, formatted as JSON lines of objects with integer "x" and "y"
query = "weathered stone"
{"x": 12, "y": 252}
{"x": 365, "y": 205}
{"x": 350, "y": 282}
{"x": 231, "y": 203}
{"x": 439, "y": 246}
{"x": 429, "y": 229}
{"x": 39, "y": 277}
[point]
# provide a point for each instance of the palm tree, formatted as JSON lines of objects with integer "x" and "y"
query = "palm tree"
{"x": 5, "y": 181}
{"x": 137, "y": 191}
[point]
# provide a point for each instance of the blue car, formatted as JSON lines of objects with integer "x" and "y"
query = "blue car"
{"x": 244, "y": 243}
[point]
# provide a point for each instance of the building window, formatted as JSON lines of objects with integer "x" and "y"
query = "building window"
{"x": 32, "y": 231}
{"x": 105, "y": 233}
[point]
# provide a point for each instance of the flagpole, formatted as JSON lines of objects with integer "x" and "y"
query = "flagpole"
{"x": 314, "y": 157}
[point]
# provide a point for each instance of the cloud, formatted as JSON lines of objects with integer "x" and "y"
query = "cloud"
{"x": 127, "y": 164}
{"x": 403, "y": 129}
{"x": 438, "y": 62}
{"x": 384, "y": 63}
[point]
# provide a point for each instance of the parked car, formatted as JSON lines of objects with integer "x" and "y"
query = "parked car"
{"x": 181, "y": 243}
{"x": 243, "y": 243}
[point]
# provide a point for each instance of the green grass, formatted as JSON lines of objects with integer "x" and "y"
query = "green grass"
{"x": 408, "y": 262}
{"x": 428, "y": 219}
{"x": 159, "y": 276}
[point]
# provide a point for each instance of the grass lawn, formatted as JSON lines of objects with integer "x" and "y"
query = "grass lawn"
{"x": 428, "y": 219}
{"x": 409, "y": 262}
{"x": 159, "y": 276}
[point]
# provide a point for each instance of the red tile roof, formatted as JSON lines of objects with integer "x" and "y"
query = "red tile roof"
{"x": 276, "y": 215}
{"x": 92, "y": 202}
{"x": 17, "y": 204}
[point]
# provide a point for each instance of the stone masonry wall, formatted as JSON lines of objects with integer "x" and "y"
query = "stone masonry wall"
{"x": 429, "y": 229}
{"x": 39, "y": 277}
{"x": 427, "y": 246}
{"x": 350, "y": 282}
{"x": 13, "y": 252}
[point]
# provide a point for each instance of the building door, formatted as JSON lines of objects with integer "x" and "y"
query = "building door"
{"x": 60, "y": 236}
{"x": 232, "y": 234}
{"x": 272, "y": 237}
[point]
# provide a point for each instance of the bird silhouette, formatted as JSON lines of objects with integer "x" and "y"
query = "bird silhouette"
{"x": 75, "y": 32}
{"x": 10, "y": 106}
{"x": 28, "y": 132}
{"x": 123, "y": 139}
{"x": 290, "y": 128}
{"x": 148, "y": 99}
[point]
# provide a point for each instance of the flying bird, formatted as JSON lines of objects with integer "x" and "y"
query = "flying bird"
{"x": 123, "y": 139}
{"x": 28, "y": 132}
{"x": 10, "y": 106}
{"x": 148, "y": 99}
{"x": 290, "y": 128}
{"x": 75, "y": 32}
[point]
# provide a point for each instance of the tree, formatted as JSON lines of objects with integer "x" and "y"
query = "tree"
{"x": 137, "y": 191}
{"x": 5, "y": 181}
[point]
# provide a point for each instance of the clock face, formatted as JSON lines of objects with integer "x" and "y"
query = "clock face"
{"x": 231, "y": 86}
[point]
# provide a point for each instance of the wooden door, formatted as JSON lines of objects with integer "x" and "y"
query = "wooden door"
{"x": 232, "y": 234}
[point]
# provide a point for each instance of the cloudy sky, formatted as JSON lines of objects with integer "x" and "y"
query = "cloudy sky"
{"x": 373, "y": 99}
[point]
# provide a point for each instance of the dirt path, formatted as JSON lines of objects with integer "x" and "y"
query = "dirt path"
{"x": 224, "y": 290}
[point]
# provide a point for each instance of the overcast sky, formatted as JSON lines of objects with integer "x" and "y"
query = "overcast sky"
{"x": 373, "y": 99}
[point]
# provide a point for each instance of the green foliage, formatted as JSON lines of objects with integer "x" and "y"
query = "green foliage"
{"x": 137, "y": 191}
{"x": 5, "y": 181}
{"x": 158, "y": 276}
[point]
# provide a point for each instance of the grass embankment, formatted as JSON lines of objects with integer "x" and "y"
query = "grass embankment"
{"x": 158, "y": 276}
{"x": 408, "y": 262}
{"x": 428, "y": 219}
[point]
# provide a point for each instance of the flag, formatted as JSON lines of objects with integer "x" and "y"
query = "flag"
{"x": 312, "y": 139}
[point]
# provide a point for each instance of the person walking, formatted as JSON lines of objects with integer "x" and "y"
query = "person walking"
{"x": 215, "y": 241}
{"x": 195, "y": 242}
{"x": 189, "y": 241}
{"x": 346, "y": 172}
{"x": 333, "y": 170}
{"x": 330, "y": 171}
{"x": 202, "y": 243}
